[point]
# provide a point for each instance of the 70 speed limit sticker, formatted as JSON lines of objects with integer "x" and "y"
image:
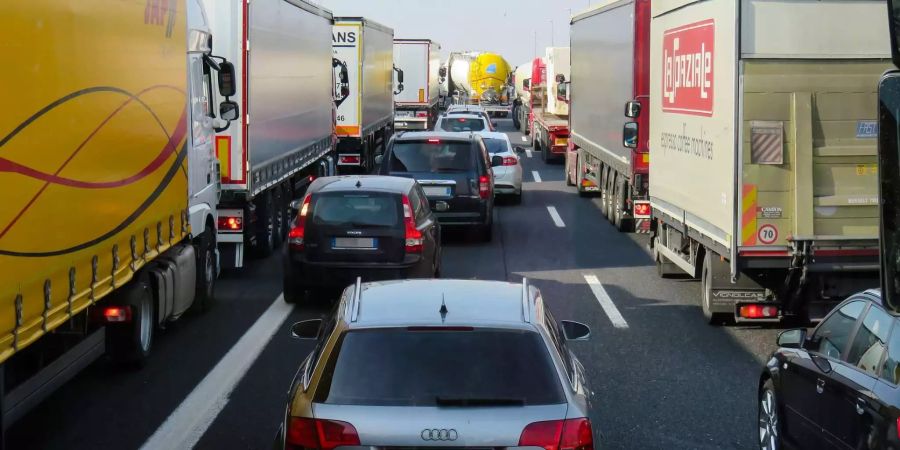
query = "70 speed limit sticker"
{"x": 767, "y": 234}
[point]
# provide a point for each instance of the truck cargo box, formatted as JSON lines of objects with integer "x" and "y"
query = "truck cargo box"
{"x": 420, "y": 61}
{"x": 367, "y": 48}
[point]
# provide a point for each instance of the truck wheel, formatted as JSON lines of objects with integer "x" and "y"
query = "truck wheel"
{"x": 608, "y": 198}
{"x": 205, "y": 245}
{"x": 130, "y": 343}
{"x": 265, "y": 225}
{"x": 286, "y": 197}
{"x": 603, "y": 194}
{"x": 278, "y": 216}
{"x": 706, "y": 292}
{"x": 619, "y": 208}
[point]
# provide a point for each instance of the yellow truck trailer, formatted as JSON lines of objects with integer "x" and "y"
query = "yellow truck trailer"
{"x": 108, "y": 219}
{"x": 763, "y": 138}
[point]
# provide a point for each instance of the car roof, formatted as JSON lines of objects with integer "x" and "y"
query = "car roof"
{"x": 420, "y": 302}
{"x": 465, "y": 108}
{"x": 363, "y": 183}
{"x": 462, "y": 136}
{"x": 494, "y": 135}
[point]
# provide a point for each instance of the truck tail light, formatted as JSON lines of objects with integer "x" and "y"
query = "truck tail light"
{"x": 349, "y": 160}
{"x": 758, "y": 311}
{"x": 642, "y": 209}
{"x": 231, "y": 223}
{"x": 117, "y": 314}
{"x": 571, "y": 434}
{"x": 422, "y": 114}
{"x": 298, "y": 231}
{"x": 414, "y": 239}
{"x": 484, "y": 186}
{"x": 320, "y": 434}
{"x": 510, "y": 160}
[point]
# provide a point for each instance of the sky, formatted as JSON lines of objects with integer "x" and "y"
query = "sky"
{"x": 507, "y": 27}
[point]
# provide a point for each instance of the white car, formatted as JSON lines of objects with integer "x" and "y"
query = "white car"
{"x": 463, "y": 123}
{"x": 508, "y": 175}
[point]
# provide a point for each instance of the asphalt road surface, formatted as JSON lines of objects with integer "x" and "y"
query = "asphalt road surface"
{"x": 662, "y": 378}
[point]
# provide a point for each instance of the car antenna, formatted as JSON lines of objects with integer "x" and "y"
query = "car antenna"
{"x": 358, "y": 183}
{"x": 443, "y": 309}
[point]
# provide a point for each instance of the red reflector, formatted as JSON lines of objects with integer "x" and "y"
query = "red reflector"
{"x": 421, "y": 114}
{"x": 434, "y": 141}
{"x": 484, "y": 186}
{"x": 510, "y": 160}
{"x": 349, "y": 159}
{"x": 231, "y": 223}
{"x": 320, "y": 434}
{"x": 414, "y": 238}
{"x": 758, "y": 311}
{"x": 117, "y": 314}
{"x": 571, "y": 434}
{"x": 296, "y": 235}
{"x": 642, "y": 209}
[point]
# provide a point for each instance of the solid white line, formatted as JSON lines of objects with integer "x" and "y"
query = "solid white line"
{"x": 528, "y": 153}
{"x": 536, "y": 175}
{"x": 605, "y": 302}
{"x": 555, "y": 216}
{"x": 187, "y": 424}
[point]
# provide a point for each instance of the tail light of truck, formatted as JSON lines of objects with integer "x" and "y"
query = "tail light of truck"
{"x": 510, "y": 160}
{"x": 560, "y": 141}
{"x": 642, "y": 210}
{"x": 298, "y": 231}
{"x": 117, "y": 314}
{"x": 758, "y": 311}
{"x": 320, "y": 434}
{"x": 484, "y": 186}
{"x": 231, "y": 223}
{"x": 414, "y": 238}
{"x": 422, "y": 114}
{"x": 349, "y": 160}
{"x": 570, "y": 434}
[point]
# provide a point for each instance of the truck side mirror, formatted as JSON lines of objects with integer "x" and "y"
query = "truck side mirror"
{"x": 562, "y": 92}
{"x": 560, "y": 78}
{"x": 442, "y": 72}
{"x": 227, "y": 86}
{"x": 526, "y": 83}
{"x": 229, "y": 110}
{"x": 630, "y": 135}
{"x": 632, "y": 109}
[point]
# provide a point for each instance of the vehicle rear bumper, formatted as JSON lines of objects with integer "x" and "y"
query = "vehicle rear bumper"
{"x": 309, "y": 274}
{"x": 454, "y": 219}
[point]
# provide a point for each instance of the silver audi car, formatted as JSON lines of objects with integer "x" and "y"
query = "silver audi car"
{"x": 439, "y": 363}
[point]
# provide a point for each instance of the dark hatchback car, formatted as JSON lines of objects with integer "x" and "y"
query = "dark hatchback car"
{"x": 837, "y": 387}
{"x": 377, "y": 228}
{"x": 455, "y": 171}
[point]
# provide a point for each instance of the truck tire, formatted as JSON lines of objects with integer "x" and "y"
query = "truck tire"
{"x": 278, "y": 216}
{"x": 265, "y": 221}
{"x": 207, "y": 269}
{"x": 602, "y": 192}
{"x": 608, "y": 193}
{"x": 286, "y": 197}
{"x": 130, "y": 343}
{"x": 619, "y": 220}
{"x": 706, "y": 292}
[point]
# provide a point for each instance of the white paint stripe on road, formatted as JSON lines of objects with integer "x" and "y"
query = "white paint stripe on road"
{"x": 605, "y": 302}
{"x": 555, "y": 216}
{"x": 187, "y": 424}
{"x": 528, "y": 153}
{"x": 536, "y": 175}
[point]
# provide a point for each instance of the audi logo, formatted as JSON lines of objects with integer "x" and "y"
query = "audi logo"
{"x": 439, "y": 434}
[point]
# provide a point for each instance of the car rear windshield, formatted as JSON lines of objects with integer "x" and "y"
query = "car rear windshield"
{"x": 400, "y": 367}
{"x": 462, "y": 124}
{"x": 356, "y": 210}
{"x": 438, "y": 156}
{"x": 496, "y": 145}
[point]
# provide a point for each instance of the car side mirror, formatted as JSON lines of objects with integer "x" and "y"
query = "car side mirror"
{"x": 496, "y": 161}
{"x": 228, "y": 110}
{"x": 632, "y": 109}
{"x": 306, "y": 329}
{"x": 227, "y": 87}
{"x": 630, "y": 135}
{"x": 295, "y": 205}
{"x": 792, "y": 338}
{"x": 575, "y": 331}
{"x": 379, "y": 159}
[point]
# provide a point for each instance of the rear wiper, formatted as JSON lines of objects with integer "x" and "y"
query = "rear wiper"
{"x": 462, "y": 401}
{"x": 444, "y": 170}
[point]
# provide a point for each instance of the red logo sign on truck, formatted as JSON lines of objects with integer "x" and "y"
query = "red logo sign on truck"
{"x": 688, "y": 68}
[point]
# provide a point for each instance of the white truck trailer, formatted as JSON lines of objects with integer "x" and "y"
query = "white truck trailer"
{"x": 763, "y": 137}
{"x": 281, "y": 50}
{"x": 416, "y": 96}
{"x": 365, "y": 116}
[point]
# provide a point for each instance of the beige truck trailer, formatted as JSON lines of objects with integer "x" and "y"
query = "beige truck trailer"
{"x": 762, "y": 125}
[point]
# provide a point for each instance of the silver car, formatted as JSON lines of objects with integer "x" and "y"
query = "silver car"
{"x": 508, "y": 175}
{"x": 439, "y": 363}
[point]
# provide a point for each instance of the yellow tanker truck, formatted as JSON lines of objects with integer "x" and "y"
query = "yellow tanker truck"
{"x": 479, "y": 78}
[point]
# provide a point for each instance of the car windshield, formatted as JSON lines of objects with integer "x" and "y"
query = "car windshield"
{"x": 431, "y": 156}
{"x": 462, "y": 124}
{"x": 355, "y": 210}
{"x": 440, "y": 367}
{"x": 496, "y": 145}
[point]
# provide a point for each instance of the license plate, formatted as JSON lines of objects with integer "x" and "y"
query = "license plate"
{"x": 561, "y": 141}
{"x": 436, "y": 191}
{"x": 354, "y": 243}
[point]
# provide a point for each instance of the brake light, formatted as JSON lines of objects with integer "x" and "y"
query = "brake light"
{"x": 510, "y": 160}
{"x": 484, "y": 186}
{"x": 231, "y": 223}
{"x": 642, "y": 209}
{"x": 117, "y": 314}
{"x": 295, "y": 236}
{"x": 571, "y": 434}
{"x": 414, "y": 238}
{"x": 462, "y": 120}
{"x": 320, "y": 434}
{"x": 434, "y": 141}
{"x": 758, "y": 311}
{"x": 349, "y": 159}
{"x": 421, "y": 114}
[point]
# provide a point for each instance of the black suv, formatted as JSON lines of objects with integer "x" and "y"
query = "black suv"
{"x": 374, "y": 227}
{"x": 838, "y": 387}
{"x": 455, "y": 171}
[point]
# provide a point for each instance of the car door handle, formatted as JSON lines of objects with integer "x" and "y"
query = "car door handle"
{"x": 860, "y": 406}
{"x": 820, "y": 385}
